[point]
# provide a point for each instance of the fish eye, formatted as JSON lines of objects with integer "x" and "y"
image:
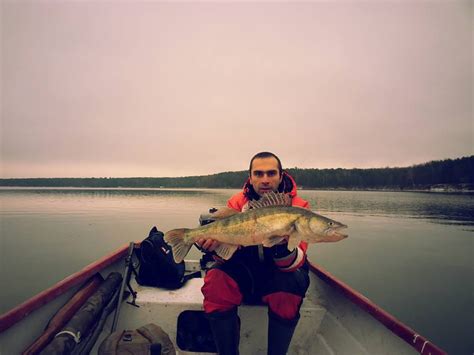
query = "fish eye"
{"x": 331, "y": 223}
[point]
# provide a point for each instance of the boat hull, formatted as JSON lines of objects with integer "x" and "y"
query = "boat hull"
{"x": 334, "y": 318}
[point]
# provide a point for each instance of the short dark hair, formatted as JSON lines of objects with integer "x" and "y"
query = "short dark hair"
{"x": 265, "y": 155}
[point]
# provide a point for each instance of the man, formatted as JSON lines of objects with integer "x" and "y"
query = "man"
{"x": 275, "y": 276}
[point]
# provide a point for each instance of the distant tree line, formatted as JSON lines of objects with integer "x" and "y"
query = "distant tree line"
{"x": 453, "y": 172}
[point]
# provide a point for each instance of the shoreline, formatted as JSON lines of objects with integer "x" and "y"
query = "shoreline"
{"x": 448, "y": 190}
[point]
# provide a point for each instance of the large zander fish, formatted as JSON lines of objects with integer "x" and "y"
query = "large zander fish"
{"x": 268, "y": 222}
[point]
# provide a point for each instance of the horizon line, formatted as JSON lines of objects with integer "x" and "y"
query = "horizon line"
{"x": 230, "y": 171}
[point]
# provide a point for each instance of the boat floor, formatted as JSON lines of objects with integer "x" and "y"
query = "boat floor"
{"x": 162, "y": 307}
{"x": 316, "y": 330}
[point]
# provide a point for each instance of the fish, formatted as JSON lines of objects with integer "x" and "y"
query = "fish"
{"x": 268, "y": 222}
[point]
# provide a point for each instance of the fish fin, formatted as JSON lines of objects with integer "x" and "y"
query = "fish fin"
{"x": 180, "y": 247}
{"x": 271, "y": 241}
{"x": 225, "y": 251}
{"x": 271, "y": 199}
{"x": 293, "y": 241}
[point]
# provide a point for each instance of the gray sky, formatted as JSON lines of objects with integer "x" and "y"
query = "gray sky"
{"x": 171, "y": 88}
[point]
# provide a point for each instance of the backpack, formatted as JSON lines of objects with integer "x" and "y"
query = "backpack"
{"x": 147, "y": 340}
{"x": 157, "y": 266}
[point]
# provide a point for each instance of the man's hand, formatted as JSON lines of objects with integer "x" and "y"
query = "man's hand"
{"x": 208, "y": 244}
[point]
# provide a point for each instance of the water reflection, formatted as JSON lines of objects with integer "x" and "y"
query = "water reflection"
{"x": 445, "y": 209}
{"x": 101, "y": 192}
{"x": 109, "y": 201}
{"x": 439, "y": 208}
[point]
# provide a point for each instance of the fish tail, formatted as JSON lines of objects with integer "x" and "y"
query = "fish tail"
{"x": 180, "y": 247}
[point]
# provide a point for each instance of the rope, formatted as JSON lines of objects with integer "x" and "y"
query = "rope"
{"x": 76, "y": 337}
{"x": 423, "y": 347}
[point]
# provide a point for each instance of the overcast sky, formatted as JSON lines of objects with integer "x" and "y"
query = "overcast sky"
{"x": 102, "y": 88}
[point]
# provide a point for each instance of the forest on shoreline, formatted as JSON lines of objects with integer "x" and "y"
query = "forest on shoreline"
{"x": 443, "y": 175}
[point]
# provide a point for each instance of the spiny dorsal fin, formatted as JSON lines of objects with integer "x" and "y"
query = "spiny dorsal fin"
{"x": 271, "y": 199}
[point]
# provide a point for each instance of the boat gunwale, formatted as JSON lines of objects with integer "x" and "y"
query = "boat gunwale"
{"x": 417, "y": 341}
{"x": 21, "y": 311}
{"x": 15, "y": 315}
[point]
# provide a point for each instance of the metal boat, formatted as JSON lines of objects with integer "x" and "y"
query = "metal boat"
{"x": 335, "y": 319}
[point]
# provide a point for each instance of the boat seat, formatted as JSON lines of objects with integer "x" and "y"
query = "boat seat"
{"x": 163, "y": 306}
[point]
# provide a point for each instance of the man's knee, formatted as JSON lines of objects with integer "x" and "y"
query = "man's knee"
{"x": 221, "y": 292}
{"x": 283, "y": 304}
{"x": 285, "y": 294}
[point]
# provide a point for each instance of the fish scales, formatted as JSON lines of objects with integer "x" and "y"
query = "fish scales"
{"x": 246, "y": 227}
{"x": 226, "y": 230}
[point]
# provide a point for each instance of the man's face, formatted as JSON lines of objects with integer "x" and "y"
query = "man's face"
{"x": 264, "y": 175}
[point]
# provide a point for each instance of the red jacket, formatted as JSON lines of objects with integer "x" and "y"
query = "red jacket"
{"x": 293, "y": 260}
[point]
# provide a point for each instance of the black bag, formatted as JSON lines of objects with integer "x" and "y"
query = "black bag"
{"x": 157, "y": 266}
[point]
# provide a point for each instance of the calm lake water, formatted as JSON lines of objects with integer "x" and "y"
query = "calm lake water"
{"x": 411, "y": 253}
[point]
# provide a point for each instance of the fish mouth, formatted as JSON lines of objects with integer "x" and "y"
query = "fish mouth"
{"x": 336, "y": 231}
{"x": 341, "y": 235}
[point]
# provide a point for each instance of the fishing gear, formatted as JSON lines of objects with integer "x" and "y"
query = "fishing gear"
{"x": 129, "y": 268}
